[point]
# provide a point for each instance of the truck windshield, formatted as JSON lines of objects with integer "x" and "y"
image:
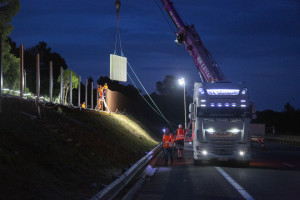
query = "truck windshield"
{"x": 222, "y": 112}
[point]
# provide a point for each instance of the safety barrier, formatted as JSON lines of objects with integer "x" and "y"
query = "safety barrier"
{"x": 113, "y": 189}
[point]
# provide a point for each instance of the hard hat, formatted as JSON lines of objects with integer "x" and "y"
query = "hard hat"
{"x": 180, "y": 126}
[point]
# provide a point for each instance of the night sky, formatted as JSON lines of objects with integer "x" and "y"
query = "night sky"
{"x": 256, "y": 41}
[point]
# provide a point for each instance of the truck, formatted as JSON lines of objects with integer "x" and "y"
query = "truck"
{"x": 221, "y": 110}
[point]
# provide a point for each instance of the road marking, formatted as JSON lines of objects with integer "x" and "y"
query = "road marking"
{"x": 239, "y": 188}
{"x": 288, "y": 165}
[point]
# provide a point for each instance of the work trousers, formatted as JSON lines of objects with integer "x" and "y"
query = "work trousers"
{"x": 168, "y": 151}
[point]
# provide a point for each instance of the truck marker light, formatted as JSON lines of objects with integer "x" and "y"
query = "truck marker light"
{"x": 244, "y": 91}
{"x": 243, "y": 105}
{"x": 243, "y": 101}
{"x": 226, "y": 104}
{"x": 212, "y": 105}
{"x": 219, "y": 105}
{"x": 201, "y": 90}
{"x": 233, "y": 104}
{"x": 203, "y": 100}
{"x": 203, "y": 105}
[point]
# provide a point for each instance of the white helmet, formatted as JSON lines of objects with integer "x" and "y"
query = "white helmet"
{"x": 180, "y": 126}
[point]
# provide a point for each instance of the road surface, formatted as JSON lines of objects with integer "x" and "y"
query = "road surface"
{"x": 273, "y": 173}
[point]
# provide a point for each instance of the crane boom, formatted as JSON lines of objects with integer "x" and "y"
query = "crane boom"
{"x": 206, "y": 65}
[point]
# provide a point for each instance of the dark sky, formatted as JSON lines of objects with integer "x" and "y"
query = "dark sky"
{"x": 256, "y": 41}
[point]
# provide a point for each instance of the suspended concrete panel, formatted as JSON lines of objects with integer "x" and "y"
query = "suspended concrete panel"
{"x": 118, "y": 68}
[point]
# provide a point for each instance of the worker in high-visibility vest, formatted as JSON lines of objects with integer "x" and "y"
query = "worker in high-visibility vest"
{"x": 179, "y": 141}
{"x": 83, "y": 105}
{"x": 168, "y": 144}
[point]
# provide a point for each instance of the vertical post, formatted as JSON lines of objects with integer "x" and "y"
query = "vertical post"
{"x": 61, "y": 84}
{"x": 1, "y": 68}
{"x": 21, "y": 70}
{"x": 51, "y": 82}
{"x": 97, "y": 101}
{"x": 24, "y": 80}
{"x": 92, "y": 96}
{"x": 86, "y": 87}
{"x": 79, "y": 92}
{"x": 38, "y": 76}
{"x": 71, "y": 87}
{"x": 184, "y": 106}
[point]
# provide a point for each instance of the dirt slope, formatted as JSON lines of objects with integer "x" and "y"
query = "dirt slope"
{"x": 66, "y": 153}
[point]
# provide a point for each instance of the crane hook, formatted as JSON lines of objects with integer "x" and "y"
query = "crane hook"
{"x": 118, "y": 5}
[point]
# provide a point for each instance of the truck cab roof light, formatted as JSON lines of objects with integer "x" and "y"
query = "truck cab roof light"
{"x": 243, "y": 101}
{"x": 212, "y": 105}
{"x": 243, "y": 105}
{"x": 219, "y": 105}
{"x": 233, "y": 104}
{"x": 203, "y": 100}
{"x": 203, "y": 105}
{"x": 226, "y": 104}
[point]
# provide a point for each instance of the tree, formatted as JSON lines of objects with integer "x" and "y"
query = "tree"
{"x": 8, "y": 9}
{"x": 288, "y": 108}
{"x": 169, "y": 86}
{"x": 66, "y": 83}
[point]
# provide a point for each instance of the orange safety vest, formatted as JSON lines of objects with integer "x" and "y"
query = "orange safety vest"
{"x": 168, "y": 140}
{"x": 180, "y": 134}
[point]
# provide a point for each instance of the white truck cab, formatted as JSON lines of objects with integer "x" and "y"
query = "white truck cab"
{"x": 220, "y": 115}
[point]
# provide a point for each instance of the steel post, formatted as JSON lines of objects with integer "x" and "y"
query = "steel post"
{"x": 38, "y": 76}
{"x": 24, "y": 80}
{"x": 97, "y": 97}
{"x": 51, "y": 82}
{"x": 1, "y": 65}
{"x": 92, "y": 96}
{"x": 79, "y": 92}
{"x": 21, "y": 70}
{"x": 61, "y": 84}
{"x": 86, "y": 92}
{"x": 71, "y": 87}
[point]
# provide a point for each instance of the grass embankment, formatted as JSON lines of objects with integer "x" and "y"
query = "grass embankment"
{"x": 67, "y": 154}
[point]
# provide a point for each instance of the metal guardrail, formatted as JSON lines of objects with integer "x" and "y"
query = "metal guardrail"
{"x": 113, "y": 189}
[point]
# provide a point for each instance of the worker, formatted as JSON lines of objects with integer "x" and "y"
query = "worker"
{"x": 168, "y": 144}
{"x": 83, "y": 105}
{"x": 105, "y": 88}
{"x": 179, "y": 141}
{"x": 100, "y": 100}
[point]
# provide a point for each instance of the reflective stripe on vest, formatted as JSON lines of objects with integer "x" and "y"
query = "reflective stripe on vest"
{"x": 180, "y": 134}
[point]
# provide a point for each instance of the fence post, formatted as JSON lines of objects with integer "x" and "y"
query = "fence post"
{"x": 79, "y": 92}
{"x": 38, "y": 76}
{"x": 1, "y": 68}
{"x": 61, "y": 85}
{"x": 21, "y": 70}
{"x": 92, "y": 102}
{"x": 51, "y": 82}
{"x": 71, "y": 86}
{"x": 97, "y": 101}
{"x": 86, "y": 87}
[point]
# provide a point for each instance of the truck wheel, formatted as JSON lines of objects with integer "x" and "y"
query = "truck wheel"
{"x": 244, "y": 163}
{"x": 197, "y": 162}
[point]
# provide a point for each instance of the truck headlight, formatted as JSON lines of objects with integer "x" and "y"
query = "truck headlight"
{"x": 242, "y": 153}
{"x": 204, "y": 152}
{"x": 234, "y": 130}
{"x": 210, "y": 130}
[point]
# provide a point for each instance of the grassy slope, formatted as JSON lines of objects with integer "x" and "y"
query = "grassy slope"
{"x": 65, "y": 155}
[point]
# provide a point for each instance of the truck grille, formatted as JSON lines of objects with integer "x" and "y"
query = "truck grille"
{"x": 223, "y": 147}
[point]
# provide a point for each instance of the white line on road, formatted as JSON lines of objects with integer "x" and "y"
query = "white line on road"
{"x": 239, "y": 188}
{"x": 288, "y": 165}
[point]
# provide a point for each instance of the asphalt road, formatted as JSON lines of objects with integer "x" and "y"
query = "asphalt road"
{"x": 274, "y": 173}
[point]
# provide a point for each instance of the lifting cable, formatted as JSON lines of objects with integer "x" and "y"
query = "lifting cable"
{"x": 163, "y": 13}
{"x": 118, "y": 38}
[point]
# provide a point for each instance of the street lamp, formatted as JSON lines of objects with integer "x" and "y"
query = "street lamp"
{"x": 182, "y": 82}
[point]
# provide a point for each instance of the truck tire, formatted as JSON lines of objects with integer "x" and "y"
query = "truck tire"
{"x": 197, "y": 162}
{"x": 244, "y": 163}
